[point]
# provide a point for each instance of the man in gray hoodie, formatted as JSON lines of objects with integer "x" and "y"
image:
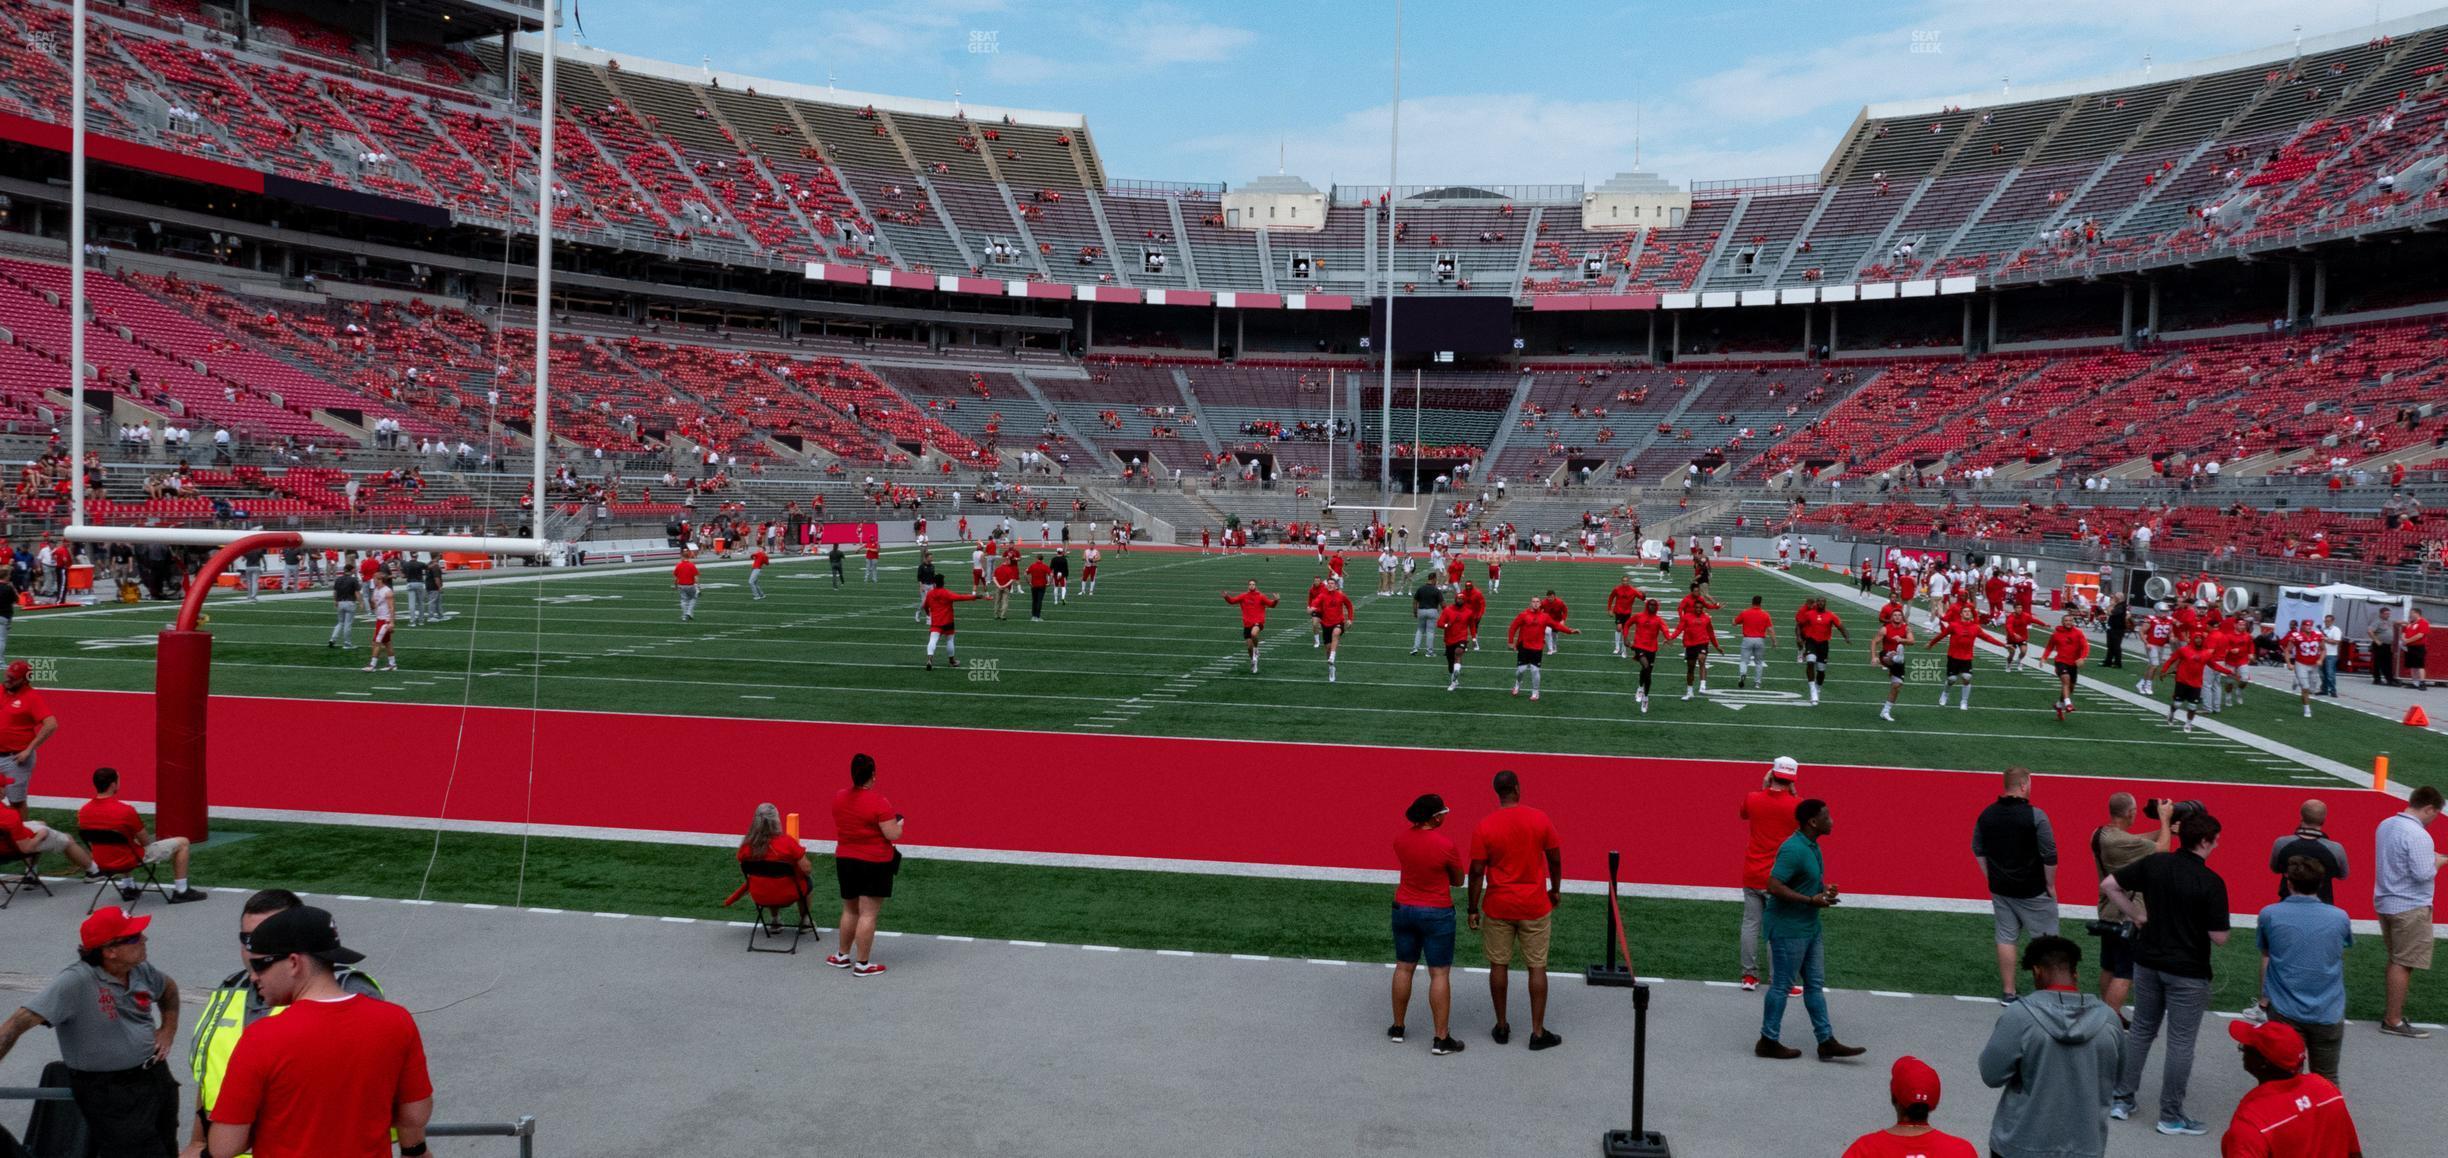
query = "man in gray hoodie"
{"x": 2055, "y": 1053}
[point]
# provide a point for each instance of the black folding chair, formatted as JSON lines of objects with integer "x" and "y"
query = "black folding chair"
{"x": 117, "y": 856}
{"x": 17, "y": 872}
{"x": 769, "y": 917}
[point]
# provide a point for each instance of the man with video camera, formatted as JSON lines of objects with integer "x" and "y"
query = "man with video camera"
{"x": 2172, "y": 942}
{"x": 2113, "y": 846}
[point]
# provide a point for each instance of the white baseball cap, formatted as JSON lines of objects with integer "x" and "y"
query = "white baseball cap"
{"x": 1785, "y": 768}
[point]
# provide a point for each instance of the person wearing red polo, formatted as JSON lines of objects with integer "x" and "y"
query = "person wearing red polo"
{"x": 107, "y": 813}
{"x": 2414, "y": 642}
{"x": 1516, "y": 881}
{"x": 1038, "y": 574}
{"x": 684, "y": 580}
{"x": 1253, "y": 604}
{"x": 1424, "y": 918}
{"x": 2290, "y": 1114}
{"x": 1006, "y": 577}
{"x": 865, "y": 828}
{"x": 1769, "y": 809}
{"x": 337, "y": 1074}
{"x": 26, "y": 722}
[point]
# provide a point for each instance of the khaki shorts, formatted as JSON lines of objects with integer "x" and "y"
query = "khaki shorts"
{"x": 161, "y": 851}
{"x": 47, "y": 838}
{"x": 1500, "y": 938}
{"x": 2407, "y": 935}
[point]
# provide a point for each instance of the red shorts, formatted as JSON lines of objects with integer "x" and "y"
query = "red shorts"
{"x": 382, "y": 631}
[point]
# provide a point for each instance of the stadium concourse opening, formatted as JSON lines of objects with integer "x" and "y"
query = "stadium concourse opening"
{"x": 580, "y": 488}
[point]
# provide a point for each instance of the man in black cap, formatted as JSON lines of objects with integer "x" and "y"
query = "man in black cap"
{"x": 335, "y": 1074}
{"x": 238, "y": 1003}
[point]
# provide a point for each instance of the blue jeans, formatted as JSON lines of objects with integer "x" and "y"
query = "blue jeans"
{"x": 2328, "y": 675}
{"x": 1791, "y": 957}
{"x": 1424, "y": 935}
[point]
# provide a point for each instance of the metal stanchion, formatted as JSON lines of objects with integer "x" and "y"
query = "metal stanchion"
{"x": 1614, "y": 972}
{"x": 1639, "y": 1141}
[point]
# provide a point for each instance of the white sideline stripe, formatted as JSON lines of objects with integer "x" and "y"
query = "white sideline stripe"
{"x": 1326, "y": 961}
{"x": 678, "y": 920}
{"x": 1887, "y": 993}
{"x": 1030, "y": 944}
{"x": 1251, "y": 957}
{"x": 950, "y": 937}
{"x": 1968, "y": 997}
{"x": 2336, "y": 769}
{"x": 479, "y": 908}
{"x": 1177, "y": 953}
{"x": 1102, "y": 948}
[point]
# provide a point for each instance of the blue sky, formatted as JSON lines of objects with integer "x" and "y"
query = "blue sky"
{"x": 1208, "y": 91}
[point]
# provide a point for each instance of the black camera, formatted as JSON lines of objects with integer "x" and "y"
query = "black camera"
{"x": 2177, "y": 812}
{"x": 2123, "y": 929}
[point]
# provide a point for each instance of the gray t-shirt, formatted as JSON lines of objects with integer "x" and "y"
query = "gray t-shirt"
{"x": 102, "y": 1025}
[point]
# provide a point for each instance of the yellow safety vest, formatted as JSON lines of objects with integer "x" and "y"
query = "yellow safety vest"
{"x": 224, "y": 1018}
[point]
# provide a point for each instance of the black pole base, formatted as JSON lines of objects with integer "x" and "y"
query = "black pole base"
{"x": 1615, "y": 975}
{"x": 1626, "y": 1144}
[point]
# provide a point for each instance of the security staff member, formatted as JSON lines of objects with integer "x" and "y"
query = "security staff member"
{"x": 238, "y": 1003}
{"x": 103, "y": 1010}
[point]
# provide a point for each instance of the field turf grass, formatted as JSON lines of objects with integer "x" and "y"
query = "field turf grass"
{"x": 1156, "y": 652}
{"x": 1149, "y": 910}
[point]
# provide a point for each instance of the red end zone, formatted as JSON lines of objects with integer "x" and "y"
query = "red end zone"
{"x": 1902, "y": 832}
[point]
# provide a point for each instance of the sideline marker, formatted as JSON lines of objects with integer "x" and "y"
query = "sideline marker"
{"x": 790, "y": 824}
{"x": 2415, "y": 718}
{"x": 2379, "y": 773}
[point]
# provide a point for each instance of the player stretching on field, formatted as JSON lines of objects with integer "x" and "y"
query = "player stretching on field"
{"x": 1888, "y": 652}
{"x": 1254, "y": 604}
{"x": 2066, "y": 647}
{"x": 1699, "y": 634}
{"x": 378, "y": 600}
{"x": 684, "y": 580}
{"x": 1959, "y": 634}
{"x": 1334, "y": 612}
{"x": 1644, "y": 630}
{"x": 1529, "y": 634}
{"x": 939, "y": 603}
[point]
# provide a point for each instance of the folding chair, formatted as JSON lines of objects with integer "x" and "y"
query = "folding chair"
{"x": 16, "y": 876}
{"x": 769, "y": 917}
{"x": 117, "y": 856}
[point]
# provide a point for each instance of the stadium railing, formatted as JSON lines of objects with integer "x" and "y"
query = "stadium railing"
{"x": 524, "y": 1129}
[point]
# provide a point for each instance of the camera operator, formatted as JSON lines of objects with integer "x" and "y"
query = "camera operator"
{"x": 2188, "y": 915}
{"x": 2113, "y": 846}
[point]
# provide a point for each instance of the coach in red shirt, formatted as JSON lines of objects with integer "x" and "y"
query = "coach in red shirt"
{"x": 1038, "y": 573}
{"x": 1517, "y": 861}
{"x": 26, "y": 721}
{"x": 1770, "y": 811}
{"x": 336, "y": 1074}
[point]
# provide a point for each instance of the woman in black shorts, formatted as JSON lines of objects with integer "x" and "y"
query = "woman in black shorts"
{"x": 865, "y": 829}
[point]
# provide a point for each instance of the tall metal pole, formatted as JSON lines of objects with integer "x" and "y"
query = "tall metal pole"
{"x": 542, "y": 427}
{"x": 1416, "y": 390}
{"x": 1385, "y": 420}
{"x": 76, "y": 263}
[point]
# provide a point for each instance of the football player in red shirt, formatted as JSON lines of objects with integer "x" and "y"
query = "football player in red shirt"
{"x": 2019, "y": 623}
{"x": 1529, "y": 633}
{"x": 1495, "y": 566}
{"x": 1888, "y": 652}
{"x": 1473, "y": 603}
{"x": 1699, "y": 634}
{"x": 1758, "y": 630}
{"x": 1318, "y": 587}
{"x": 2066, "y": 647}
{"x": 1643, "y": 631}
{"x": 2189, "y": 663}
{"x": 1818, "y": 632}
{"x": 2303, "y": 648}
{"x": 2239, "y": 638}
{"x": 1457, "y": 627}
{"x": 1553, "y": 605}
{"x": 939, "y": 601}
{"x": 2158, "y": 639}
{"x": 757, "y": 560}
{"x": 1254, "y": 604}
{"x": 1960, "y": 634}
{"x": 1621, "y": 603}
{"x": 684, "y": 580}
{"x": 1334, "y": 611}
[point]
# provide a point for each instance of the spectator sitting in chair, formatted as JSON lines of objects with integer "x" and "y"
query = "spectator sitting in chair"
{"x": 34, "y": 838}
{"x": 107, "y": 813}
{"x": 767, "y": 842}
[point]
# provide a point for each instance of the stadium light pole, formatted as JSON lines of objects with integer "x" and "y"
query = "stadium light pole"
{"x": 76, "y": 262}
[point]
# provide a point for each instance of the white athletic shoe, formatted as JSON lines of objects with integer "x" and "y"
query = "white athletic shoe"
{"x": 1453, "y": 685}
{"x": 1942, "y": 701}
{"x": 1534, "y": 697}
{"x": 1704, "y": 687}
{"x": 2307, "y": 711}
{"x": 1330, "y": 673}
{"x": 1886, "y": 715}
{"x": 1965, "y": 706}
{"x": 1687, "y": 693}
{"x": 1644, "y": 705}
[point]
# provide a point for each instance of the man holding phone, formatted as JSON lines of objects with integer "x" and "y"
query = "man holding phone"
{"x": 1797, "y": 891}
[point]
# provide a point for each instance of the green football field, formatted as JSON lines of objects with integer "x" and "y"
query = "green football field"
{"x": 1157, "y": 652}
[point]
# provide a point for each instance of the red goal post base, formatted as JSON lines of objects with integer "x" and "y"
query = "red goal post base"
{"x": 182, "y": 665}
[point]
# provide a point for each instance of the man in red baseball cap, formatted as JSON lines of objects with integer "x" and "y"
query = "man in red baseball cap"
{"x": 1912, "y": 1088}
{"x": 2290, "y": 1114}
{"x": 25, "y": 723}
{"x": 103, "y": 1011}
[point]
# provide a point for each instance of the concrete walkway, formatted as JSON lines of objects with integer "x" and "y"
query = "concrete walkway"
{"x": 639, "y": 1036}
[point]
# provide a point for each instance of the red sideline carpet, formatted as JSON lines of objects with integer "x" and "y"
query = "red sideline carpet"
{"x": 1898, "y": 831}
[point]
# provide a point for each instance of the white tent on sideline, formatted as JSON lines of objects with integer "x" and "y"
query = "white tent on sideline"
{"x": 2356, "y": 608}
